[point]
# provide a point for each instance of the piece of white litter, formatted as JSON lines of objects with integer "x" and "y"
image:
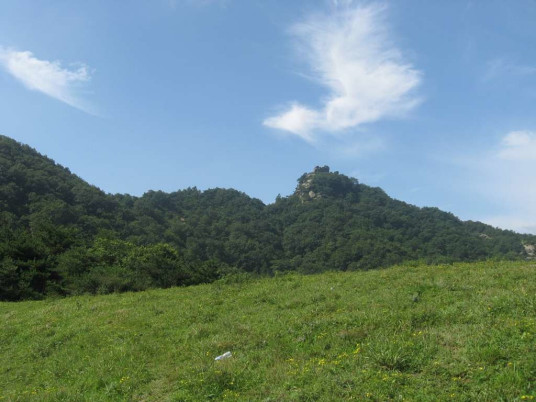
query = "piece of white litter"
{"x": 224, "y": 356}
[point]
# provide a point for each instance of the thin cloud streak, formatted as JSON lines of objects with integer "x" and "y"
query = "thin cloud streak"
{"x": 351, "y": 54}
{"x": 47, "y": 77}
{"x": 500, "y": 67}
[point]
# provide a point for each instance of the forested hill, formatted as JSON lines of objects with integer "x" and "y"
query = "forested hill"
{"x": 60, "y": 235}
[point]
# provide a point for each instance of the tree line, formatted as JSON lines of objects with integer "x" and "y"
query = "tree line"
{"x": 61, "y": 236}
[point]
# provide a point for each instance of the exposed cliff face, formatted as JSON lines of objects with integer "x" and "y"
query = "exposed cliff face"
{"x": 320, "y": 183}
{"x": 305, "y": 184}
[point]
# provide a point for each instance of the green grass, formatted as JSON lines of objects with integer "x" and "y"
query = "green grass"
{"x": 456, "y": 332}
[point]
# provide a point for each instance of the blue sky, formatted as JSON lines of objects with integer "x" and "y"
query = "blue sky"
{"x": 433, "y": 101}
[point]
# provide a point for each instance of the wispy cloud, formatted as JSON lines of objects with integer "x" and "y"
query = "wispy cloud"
{"x": 48, "y": 77}
{"x": 506, "y": 176}
{"x": 501, "y": 67}
{"x": 351, "y": 53}
{"x": 518, "y": 146}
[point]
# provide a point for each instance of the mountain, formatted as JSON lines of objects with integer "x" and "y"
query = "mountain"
{"x": 61, "y": 235}
{"x": 333, "y": 221}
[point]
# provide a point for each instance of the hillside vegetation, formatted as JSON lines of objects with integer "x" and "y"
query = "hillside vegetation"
{"x": 62, "y": 236}
{"x": 449, "y": 332}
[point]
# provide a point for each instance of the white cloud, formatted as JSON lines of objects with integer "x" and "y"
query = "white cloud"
{"x": 505, "y": 176}
{"x": 298, "y": 120}
{"x": 45, "y": 76}
{"x": 518, "y": 146}
{"x": 350, "y": 52}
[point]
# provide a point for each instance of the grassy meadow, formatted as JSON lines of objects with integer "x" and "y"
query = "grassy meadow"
{"x": 450, "y": 332}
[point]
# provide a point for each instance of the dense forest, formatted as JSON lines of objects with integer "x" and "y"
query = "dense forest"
{"x": 60, "y": 235}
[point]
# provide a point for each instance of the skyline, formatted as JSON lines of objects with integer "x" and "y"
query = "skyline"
{"x": 429, "y": 101}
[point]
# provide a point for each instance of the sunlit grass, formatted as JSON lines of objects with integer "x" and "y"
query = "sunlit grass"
{"x": 457, "y": 332}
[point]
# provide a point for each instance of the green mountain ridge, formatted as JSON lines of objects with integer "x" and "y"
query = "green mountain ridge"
{"x": 61, "y": 235}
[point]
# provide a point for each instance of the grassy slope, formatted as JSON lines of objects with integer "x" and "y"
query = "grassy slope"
{"x": 466, "y": 331}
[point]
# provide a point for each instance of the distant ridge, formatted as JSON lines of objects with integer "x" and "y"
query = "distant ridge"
{"x": 61, "y": 235}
